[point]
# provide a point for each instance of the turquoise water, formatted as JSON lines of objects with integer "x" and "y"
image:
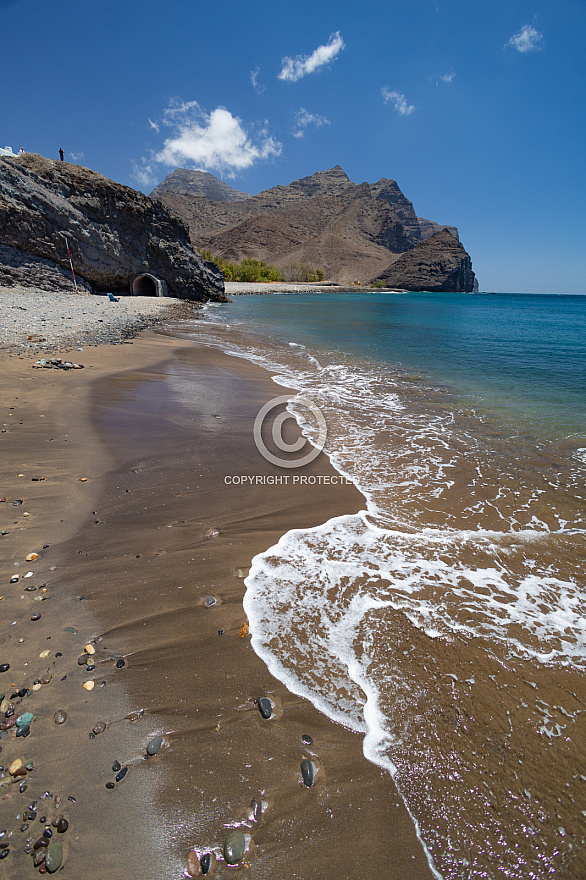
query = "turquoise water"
{"x": 446, "y": 622}
{"x": 520, "y": 354}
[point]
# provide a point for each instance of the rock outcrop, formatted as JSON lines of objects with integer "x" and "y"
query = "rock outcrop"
{"x": 439, "y": 264}
{"x": 114, "y": 233}
{"x": 352, "y": 232}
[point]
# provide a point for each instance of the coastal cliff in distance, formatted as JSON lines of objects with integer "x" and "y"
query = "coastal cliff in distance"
{"x": 115, "y": 234}
{"x": 439, "y": 264}
{"x": 353, "y": 232}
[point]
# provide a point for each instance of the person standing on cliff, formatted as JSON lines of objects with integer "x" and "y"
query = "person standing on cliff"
{"x": 61, "y": 154}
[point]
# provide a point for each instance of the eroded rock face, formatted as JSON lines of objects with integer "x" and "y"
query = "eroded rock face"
{"x": 115, "y": 233}
{"x": 438, "y": 264}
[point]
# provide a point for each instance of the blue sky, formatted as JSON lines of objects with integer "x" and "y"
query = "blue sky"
{"x": 477, "y": 109}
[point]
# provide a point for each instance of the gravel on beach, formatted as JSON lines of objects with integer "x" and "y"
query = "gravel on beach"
{"x": 38, "y": 321}
{"x": 239, "y": 288}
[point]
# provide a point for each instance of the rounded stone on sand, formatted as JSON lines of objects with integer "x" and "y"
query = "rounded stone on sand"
{"x": 206, "y": 862}
{"x": 60, "y": 716}
{"x": 54, "y": 856}
{"x": 154, "y": 746}
{"x": 235, "y": 847}
{"x": 265, "y": 707}
{"x": 308, "y": 771}
{"x": 192, "y": 864}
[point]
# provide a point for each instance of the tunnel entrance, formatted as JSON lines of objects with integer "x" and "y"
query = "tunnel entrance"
{"x": 148, "y": 285}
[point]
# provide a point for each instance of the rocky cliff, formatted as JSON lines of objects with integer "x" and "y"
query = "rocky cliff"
{"x": 114, "y": 233}
{"x": 352, "y": 232}
{"x": 438, "y": 264}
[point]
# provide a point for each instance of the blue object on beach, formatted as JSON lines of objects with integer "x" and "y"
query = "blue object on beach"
{"x": 113, "y": 298}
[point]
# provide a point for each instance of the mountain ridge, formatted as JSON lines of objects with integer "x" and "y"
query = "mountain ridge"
{"x": 353, "y": 232}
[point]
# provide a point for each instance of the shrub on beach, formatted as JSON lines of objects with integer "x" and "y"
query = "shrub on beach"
{"x": 252, "y": 270}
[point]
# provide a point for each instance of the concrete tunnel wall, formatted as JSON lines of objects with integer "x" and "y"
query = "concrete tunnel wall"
{"x": 148, "y": 285}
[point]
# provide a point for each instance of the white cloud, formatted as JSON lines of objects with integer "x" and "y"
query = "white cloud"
{"x": 155, "y": 125}
{"x": 303, "y": 119}
{"x": 398, "y": 100}
{"x": 144, "y": 174}
{"x": 527, "y": 40}
{"x": 294, "y": 69}
{"x": 258, "y": 87}
{"x": 212, "y": 141}
{"x": 448, "y": 77}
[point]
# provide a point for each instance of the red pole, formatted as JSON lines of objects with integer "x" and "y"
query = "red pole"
{"x": 71, "y": 264}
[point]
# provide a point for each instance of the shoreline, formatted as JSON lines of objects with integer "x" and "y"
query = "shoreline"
{"x": 214, "y": 723}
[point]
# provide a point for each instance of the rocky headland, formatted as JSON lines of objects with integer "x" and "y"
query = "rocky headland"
{"x": 439, "y": 264}
{"x": 353, "y": 232}
{"x": 115, "y": 235}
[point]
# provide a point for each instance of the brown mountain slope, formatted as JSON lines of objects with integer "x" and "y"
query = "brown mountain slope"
{"x": 352, "y": 232}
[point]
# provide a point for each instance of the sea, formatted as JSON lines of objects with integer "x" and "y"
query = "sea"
{"x": 445, "y": 622}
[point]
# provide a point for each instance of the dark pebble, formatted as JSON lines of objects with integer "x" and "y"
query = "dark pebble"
{"x": 81, "y": 661}
{"x": 22, "y": 788}
{"x": 234, "y": 847}
{"x": 24, "y": 827}
{"x": 31, "y": 814}
{"x": 4, "y": 853}
{"x": 154, "y": 746}
{"x": 116, "y": 766}
{"x": 205, "y": 863}
{"x": 24, "y": 730}
{"x": 120, "y": 663}
{"x": 109, "y": 785}
{"x": 121, "y": 774}
{"x": 4, "y": 667}
{"x": 220, "y": 632}
{"x": 39, "y": 858}
{"x": 307, "y": 739}
{"x": 257, "y": 809}
{"x": 307, "y": 772}
{"x": 35, "y": 616}
{"x": 265, "y": 707}
{"x": 62, "y": 825}
{"x": 22, "y": 692}
{"x": 42, "y": 841}
{"x": 48, "y": 833}
{"x": 42, "y": 820}
{"x": 90, "y": 667}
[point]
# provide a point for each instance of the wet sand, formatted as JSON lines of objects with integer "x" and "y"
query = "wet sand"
{"x": 156, "y": 427}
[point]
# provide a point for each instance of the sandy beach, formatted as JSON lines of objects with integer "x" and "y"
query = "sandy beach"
{"x": 115, "y": 475}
